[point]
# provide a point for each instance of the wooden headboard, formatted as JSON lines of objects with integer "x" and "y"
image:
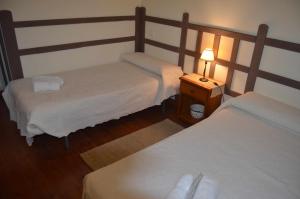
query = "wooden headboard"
{"x": 260, "y": 40}
{"x": 14, "y": 53}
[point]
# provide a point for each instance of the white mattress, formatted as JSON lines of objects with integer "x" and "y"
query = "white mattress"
{"x": 88, "y": 97}
{"x": 249, "y": 156}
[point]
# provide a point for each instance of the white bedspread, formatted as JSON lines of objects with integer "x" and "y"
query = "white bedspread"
{"x": 248, "y": 156}
{"x": 88, "y": 97}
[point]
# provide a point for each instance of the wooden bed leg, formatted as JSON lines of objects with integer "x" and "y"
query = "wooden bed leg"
{"x": 67, "y": 143}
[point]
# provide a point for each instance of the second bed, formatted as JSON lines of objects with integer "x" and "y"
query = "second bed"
{"x": 250, "y": 146}
{"x": 91, "y": 95}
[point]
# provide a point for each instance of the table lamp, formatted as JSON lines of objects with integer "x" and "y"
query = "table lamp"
{"x": 208, "y": 56}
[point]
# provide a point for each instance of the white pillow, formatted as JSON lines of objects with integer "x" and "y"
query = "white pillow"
{"x": 147, "y": 62}
{"x": 268, "y": 109}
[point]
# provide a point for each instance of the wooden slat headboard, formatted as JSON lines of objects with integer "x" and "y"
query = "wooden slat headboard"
{"x": 260, "y": 40}
{"x": 13, "y": 52}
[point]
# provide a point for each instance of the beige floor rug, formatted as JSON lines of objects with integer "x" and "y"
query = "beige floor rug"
{"x": 113, "y": 151}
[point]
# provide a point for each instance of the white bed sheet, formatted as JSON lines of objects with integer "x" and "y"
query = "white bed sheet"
{"x": 248, "y": 157}
{"x": 88, "y": 97}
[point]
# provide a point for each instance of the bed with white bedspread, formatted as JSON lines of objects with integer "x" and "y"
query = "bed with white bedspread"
{"x": 91, "y": 95}
{"x": 250, "y": 146}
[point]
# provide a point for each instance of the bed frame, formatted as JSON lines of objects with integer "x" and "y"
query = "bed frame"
{"x": 260, "y": 40}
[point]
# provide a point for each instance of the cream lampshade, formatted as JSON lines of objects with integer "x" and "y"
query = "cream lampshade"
{"x": 208, "y": 56}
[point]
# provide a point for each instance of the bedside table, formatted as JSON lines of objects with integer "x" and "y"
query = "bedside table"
{"x": 193, "y": 91}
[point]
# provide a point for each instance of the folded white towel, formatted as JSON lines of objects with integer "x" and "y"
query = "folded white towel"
{"x": 207, "y": 189}
{"x": 182, "y": 188}
{"x": 46, "y": 83}
{"x": 194, "y": 187}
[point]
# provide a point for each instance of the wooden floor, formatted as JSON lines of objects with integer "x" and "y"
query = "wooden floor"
{"x": 46, "y": 170}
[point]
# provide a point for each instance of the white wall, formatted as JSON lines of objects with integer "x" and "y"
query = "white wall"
{"x": 242, "y": 16}
{"x": 51, "y": 35}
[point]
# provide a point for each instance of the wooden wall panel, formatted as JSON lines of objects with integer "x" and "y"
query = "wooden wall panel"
{"x": 140, "y": 14}
{"x": 260, "y": 41}
{"x": 183, "y": 38}
{"x": 10, "y": 45}
{"x": 198, "y": 51}
{"x": 256, "y": 57}
{"x": 233, "y": 57}
{"x": 215, "y": 49}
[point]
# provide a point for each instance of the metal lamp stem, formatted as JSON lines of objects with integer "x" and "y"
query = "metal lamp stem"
{"x": 204, "y": 69}
{"x": 203, "y": 79}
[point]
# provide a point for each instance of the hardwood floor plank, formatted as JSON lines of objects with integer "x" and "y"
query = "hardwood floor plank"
{"x": 46, "y": 170}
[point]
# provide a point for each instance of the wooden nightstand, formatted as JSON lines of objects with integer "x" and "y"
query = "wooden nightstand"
{"x": 192, "y": 91}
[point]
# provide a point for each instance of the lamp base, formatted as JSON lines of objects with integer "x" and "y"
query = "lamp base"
{"x": 203, "y": 79}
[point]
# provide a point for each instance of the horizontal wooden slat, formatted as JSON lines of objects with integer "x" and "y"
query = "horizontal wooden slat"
{"x": 162, "y": 45}
{"x": 263, "y": 74}
{"x": 231, "y": 93}
{"x": 51, "y": 22}
{"x": 239, "y": 67}
{"x": 193, "y": 26}
{"x": 279, "y": 79}
{"x": 220, "y": 61}
{"x": 192, "y": 53}
{"x": 283, "y": 44}
{"x": 68, "y": 46}
{"x": 168, "y": 22}
{"x": 222, "y": 32}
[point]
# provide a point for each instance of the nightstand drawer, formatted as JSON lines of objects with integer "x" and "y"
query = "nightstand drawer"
{"x": 193, "y": 91}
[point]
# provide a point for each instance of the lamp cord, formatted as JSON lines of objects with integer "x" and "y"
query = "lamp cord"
{"x": 215, "y": 83}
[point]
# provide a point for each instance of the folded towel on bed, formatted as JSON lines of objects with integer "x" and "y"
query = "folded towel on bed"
{"x": 46, "y": 83}
{"x": 181, "y": 190}
{"x": 207, "y": 189}
{"x": 194, "y": 187}
{"x": 189, "y": 187}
